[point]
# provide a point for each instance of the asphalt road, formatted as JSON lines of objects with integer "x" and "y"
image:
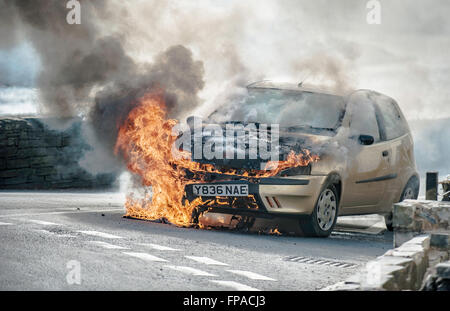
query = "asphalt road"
{"x": 80, "y": 241}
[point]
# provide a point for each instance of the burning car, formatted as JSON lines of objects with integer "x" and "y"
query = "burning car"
{"x": 336, "y": 155}
{"x": 281, "y": 151}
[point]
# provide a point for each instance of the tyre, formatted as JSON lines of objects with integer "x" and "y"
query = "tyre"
{"x": 410, "y": 192}
{"x": 388, "y": 221}
{"x": 323, "y": 219}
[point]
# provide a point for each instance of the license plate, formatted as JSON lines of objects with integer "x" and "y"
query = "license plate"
{"x": 237, "y": 190}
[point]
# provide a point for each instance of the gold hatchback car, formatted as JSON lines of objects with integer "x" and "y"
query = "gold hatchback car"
{"x": 365, "y": 148}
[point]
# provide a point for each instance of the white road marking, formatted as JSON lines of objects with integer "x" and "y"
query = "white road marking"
{"x": 44, "y": 223}
{"x": 144, "y": 256}
{"x": 101, "y": 234}
{"x": 190, "y": 270}
{"x": 159, "y": 247}
{"x": 251, "y": 275}
{"x": 5, "y": 224}
{"x": 62, "y": 235}
{"x": 44, "y": 231}
{"x": 206, "y": 260}
{"x": 107, "y": 245}
{"x": 235, "y": 285}
{"x": 58, "y": 213}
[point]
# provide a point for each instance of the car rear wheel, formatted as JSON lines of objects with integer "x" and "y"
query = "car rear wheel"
{"x": 323, "y": 219}
{"x": 410, "y": 192}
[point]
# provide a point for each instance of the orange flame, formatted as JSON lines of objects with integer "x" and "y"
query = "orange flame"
{"x": 274, "y": 231}
{"x": 145, "y": 140}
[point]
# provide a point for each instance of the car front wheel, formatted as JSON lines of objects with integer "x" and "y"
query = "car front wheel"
{"x": 323, "y": 219}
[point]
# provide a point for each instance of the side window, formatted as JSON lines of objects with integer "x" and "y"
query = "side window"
{"x": 391, "y": 119}
{"x": 363, "y": 120}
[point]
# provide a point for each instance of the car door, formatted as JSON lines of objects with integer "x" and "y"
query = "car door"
{"x": 368, "y": 164}
{"x": 393, "y": 131}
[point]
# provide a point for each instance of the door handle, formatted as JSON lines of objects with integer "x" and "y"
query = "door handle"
{"x": 385, "y": 153}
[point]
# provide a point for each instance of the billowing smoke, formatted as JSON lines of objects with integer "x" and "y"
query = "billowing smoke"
{"x": 121, "y": 48}
{"x": 58, "y": 45}
{"x": 328, "y": 71}
{"x": 174, "y": 70}
{"x": 102, "y": 52}
{"x": 86, "y": 72}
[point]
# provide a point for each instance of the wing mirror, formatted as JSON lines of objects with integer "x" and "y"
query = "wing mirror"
{"x": 366, "y": 140}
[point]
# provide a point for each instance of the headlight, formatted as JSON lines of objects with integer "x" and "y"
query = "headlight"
{"x": 293, "y": 171}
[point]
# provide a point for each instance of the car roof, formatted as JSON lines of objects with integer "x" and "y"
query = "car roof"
{"x": 292, "y": 87}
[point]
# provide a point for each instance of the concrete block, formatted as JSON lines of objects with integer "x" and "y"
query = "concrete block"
{"x": 415, "y": 217}
{"x": 422, "y": 240}
{"x": 403, "y": 215}
{"x": 436, "y": 256}
{"x": 411, "y": 248}
{"x": 443, "y": 270}
{"x": 394, "y": 277}
{"x": 394, "y": 260}
{"x": 401, "y": 237}
{"x": 440, "y": 240}
{"x": 417, "y": 266}
{"x": 379, "y": 278}
{"x": 415, "y": 255}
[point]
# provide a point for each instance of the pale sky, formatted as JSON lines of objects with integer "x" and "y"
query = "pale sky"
{"x": 405, "y": 57}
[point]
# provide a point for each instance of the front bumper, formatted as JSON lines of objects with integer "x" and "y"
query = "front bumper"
{"x": 286, "y": 196}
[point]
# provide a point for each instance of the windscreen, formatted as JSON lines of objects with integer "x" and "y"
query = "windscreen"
{"x": 288, "y": 109}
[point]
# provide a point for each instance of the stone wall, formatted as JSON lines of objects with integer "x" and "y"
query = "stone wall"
{"x": 35, "y": 156}
{"x": 421, "y": 241}
{"x": 408, "y": 267}
{"x": 439, "y": 278}
{"x": 414, "y": 217}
